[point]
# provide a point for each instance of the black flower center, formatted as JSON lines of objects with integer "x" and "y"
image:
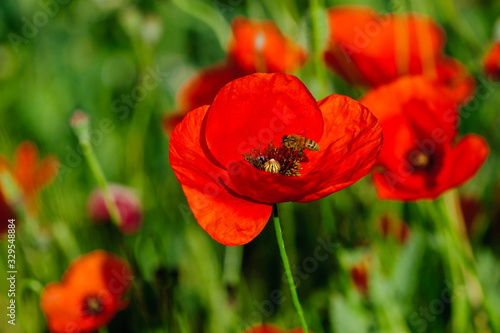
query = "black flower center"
{"x": 93, "y": 305}
{"x": 421, "y": 161}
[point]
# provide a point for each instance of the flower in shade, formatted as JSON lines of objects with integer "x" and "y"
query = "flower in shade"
{"x": 90, "y": 294}
{"x": 422, "y": 156}
{"x": 219, "y": 152}
{"x": 360, "y": 276}
{"x": 268, "y": 328}
{"x": 127, "y": 202}
{"x": 368, "y": 49}
{"x": 29, "y": 173}
{"x": 491, "y": 62}
{"x": 254, "y": 46}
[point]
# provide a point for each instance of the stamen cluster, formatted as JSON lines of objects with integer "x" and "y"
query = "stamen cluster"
{"x": 275, "y": 159}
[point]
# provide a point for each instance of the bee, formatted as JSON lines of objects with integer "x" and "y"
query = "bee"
{"x": 294, "y": 141}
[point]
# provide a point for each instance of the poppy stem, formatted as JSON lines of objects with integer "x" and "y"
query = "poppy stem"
{"x": 80, "y": 123}
{"x": 288, "y": 270}
{"x": 456, "y": 225}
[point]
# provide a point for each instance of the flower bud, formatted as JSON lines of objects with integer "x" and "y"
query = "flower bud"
{"x": 129, "y": 207}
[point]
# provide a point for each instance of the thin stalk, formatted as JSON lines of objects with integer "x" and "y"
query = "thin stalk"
{"x": 317, "y": 10}
{"x": 450, "y": 205}
{"x": 288, "y": 270}
{"x": 80, "y": 124}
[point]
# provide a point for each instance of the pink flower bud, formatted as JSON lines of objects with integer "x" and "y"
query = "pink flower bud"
{"x": 129, "y": 207}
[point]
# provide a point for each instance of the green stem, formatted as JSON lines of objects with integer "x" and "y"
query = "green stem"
{"x": 288, "y": 270}
{"x": 80, "y": 125}
{"x": 318, "y": 16}
{"x": 450, "y": 205}
{"x": 452, "y": 254}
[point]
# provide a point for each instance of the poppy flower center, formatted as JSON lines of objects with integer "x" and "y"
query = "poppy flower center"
{"x": 283, "y": 159}
{"x": 420, "y": 161}
{"x": 93, "y": 305}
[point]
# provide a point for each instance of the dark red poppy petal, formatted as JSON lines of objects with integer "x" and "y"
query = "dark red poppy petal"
{"x": 201, "y": 88}
{"x": 455, "y": 76}
{"x": 351, "y": 142}
{"x": 270, "y": 187}
{"x": 464, "y": 160}
{"x": 257, "y": 109}
{"x": 491, "y": 62}
{"x": 170, "y": 121}
{"x": 228, "y": 217}
{"x": 460, "y": 163}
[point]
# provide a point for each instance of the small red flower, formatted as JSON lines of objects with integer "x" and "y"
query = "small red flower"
{"x": 421, "y": 157}
{"x": 360, "y": 276}
{"x": 30, "y": 173}
{"x": 491, "y": 62}
{"x": 260, "y": 47}
{"x": 369, "y": 49}
{"x": 268, "y": 328}
{"x": 90, "y": 294}
{"x": 127, "y": 202}
{"x": 232, "y": 163}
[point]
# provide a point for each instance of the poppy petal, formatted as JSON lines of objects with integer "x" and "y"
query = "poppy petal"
{"x": 367, "y": 48}
{"x": 464, "y": 160}
{"x": 268, "y": 106}
{"x": 391, "y": 184}
{"x": 491, "y": 62}
{"x": 226, "y": 216}
{"x": 352, "y": 140}
{"x": 202, "y": 87}
{"x": 25, "y": 165}
{"x": 271, "y": 187}
{"x": 98, "y": 275}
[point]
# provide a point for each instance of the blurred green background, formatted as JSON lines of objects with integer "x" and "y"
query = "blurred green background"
{"x": 94, "y": 54}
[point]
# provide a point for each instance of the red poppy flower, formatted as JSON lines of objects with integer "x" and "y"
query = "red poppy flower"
{"x": 360, "y": 276}
{"x": 369, "y": 49}
{"x": 90, "y": 294}
{"x": 30, "y": 173}
{"x": 127, "y": 202}
{"x": 421, "y": 157}
{"x": 268, "y": 328}
{"x": 232, "y": 164}
{"x": 260, "y": 47}
{"x": 491, "y": 62}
